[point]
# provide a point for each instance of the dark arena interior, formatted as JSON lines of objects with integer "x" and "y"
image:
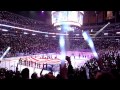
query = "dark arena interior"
{"x": 78, "y": 45}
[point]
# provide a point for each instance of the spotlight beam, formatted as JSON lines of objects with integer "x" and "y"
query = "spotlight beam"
{"x": 5, "y": 53}
{"x": 101, "y": 29}
{"x": 98, "y": 31}
{"x": 88, "y": 39}
{"x": 62, "y": 46}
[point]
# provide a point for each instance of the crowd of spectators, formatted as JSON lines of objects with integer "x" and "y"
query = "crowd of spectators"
{"x": 25, "y": 45}
{"x": 31, "y": 45}
{"x": 21, "y": 21}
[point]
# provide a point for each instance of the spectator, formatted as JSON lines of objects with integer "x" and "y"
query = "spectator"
{"x": 34, "y": 76}
{"x": 25, "y": 73}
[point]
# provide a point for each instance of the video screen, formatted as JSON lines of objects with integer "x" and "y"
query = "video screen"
{"x": 71, "y": 17}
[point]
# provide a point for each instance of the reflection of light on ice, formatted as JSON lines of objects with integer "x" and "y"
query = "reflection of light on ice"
{"x": 76, "y": 61}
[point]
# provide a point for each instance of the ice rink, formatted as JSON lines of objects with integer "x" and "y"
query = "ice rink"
{"x": 11, "y": 63}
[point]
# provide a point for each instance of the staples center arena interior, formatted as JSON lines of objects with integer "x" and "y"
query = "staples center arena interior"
{"x": 39, "y": 42}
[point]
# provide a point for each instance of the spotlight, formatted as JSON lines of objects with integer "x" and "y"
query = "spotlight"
{"x": 91, "y": 30}
{"x": 117, "y": 32}
{"x": 105, "y": 33}
{"x": 77, "y": 34}
{"x": 58, "y": 28}
{"x": 33, "y": 34}
{"x": 46, "y": 35}
{"x": 53, "y": 36}
{"x": 4, "y": 30}
{"x": 25, "y": 33}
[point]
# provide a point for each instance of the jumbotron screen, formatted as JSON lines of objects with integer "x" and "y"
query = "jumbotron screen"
{"x": 67, "y": 17}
